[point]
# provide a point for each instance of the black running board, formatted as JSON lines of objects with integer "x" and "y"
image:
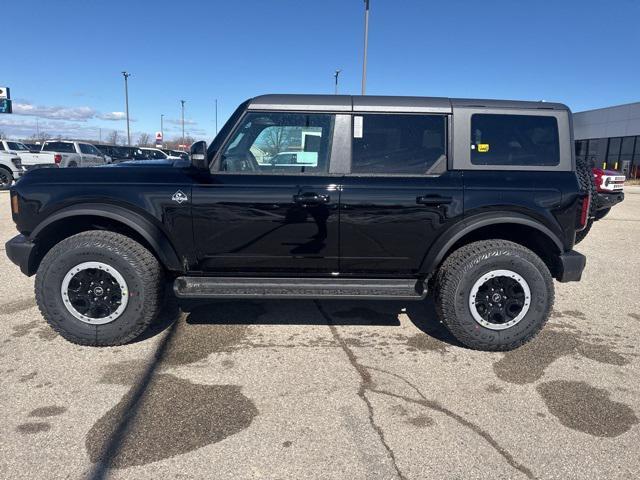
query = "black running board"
{"x": 343, "y": 288}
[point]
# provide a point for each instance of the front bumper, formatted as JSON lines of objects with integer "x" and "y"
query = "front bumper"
{"x": 20, "y": 251}
{"x": 607, "y": 200}
{"x": 572, "y": 264}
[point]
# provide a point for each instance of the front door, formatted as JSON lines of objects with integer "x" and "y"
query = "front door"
{"x": 399, "y": 196}
{"x": 257, "y": 215}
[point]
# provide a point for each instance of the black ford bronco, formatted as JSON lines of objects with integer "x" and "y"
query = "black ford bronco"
{"x": 474, "y": 201}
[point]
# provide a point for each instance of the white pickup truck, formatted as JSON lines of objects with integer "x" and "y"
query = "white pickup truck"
{"x": 10, "y": 169}
{"x": 29, "y": 160}
{"x": 72, "y": 154}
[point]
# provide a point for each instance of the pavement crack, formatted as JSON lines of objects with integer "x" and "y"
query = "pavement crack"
{"x": 365, "y": 385}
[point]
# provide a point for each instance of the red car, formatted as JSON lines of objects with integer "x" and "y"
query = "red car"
{"x": 609, "y": 186}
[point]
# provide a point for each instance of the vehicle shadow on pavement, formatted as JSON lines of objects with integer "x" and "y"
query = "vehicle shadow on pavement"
{"x": 341, "y": 313}
{"x": 169, "y": 317}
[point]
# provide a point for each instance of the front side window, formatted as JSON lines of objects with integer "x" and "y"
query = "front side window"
{"x": 84, "y": 148}
{"x": 280, "y": 143}
{"x": 398, "y": 144}
{"x": 514, "y": 140}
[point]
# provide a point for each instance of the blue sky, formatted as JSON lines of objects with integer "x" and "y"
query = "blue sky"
{"x": 62, "y": 59}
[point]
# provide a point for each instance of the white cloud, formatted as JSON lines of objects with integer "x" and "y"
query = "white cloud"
{"x": 179, "y": 121}
{"x": 113, "y": 116}
{"x": 59, "y": 113}
{"x": 78, "y": 114}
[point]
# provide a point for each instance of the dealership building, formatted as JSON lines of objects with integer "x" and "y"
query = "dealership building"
{"x": 610, "y": 137}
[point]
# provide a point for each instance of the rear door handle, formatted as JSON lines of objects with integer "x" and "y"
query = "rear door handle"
{"x": 311, "y": 199}
{"x": 433, "y": 200}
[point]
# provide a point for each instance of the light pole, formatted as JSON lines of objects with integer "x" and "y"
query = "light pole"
{"x": 182, "y": 102}
{"x": 336, "y": 75}
{"x": 366, "y": 46}
{"x": 162, "y": 127}
{"x": 126, "y": 99}
{"x": 216, "y": 116}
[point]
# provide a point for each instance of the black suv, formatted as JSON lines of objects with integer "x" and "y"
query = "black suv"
{"x": 476, "y": 201}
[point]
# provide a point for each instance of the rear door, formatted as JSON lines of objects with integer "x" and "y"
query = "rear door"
{"x": 399, "y": 195}
{"x": 253, "y": 217}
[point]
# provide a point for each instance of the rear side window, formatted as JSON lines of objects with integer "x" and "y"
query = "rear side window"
{"x": 62, "y": 147}
{"x": 398, "y": 144}
{"x": 514, "y": 140}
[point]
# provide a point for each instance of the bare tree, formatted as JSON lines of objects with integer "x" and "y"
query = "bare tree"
{"x": 275, "y": 139}
{"x": 112, "y": 138}
{"x": 176, "y": 142}
{"x": 41, "y": 137}
{"x": 144, "y": 140}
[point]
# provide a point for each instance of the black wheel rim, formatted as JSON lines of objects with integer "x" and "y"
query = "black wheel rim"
{"x": 499, "y": 299}
{"x": 5, "y": 179}
{"x": 94, "y": 293}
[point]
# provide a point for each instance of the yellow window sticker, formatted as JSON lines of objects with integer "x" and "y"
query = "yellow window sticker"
{"x": 483, "y": 147}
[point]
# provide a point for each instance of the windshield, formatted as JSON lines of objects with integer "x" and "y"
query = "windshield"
{"x": 16, "y": 146}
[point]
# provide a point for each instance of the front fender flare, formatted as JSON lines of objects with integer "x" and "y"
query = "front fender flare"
{"x": 152, "y": 233}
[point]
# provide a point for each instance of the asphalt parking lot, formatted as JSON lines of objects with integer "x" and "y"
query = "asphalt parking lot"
{"x": 331, "y": 390}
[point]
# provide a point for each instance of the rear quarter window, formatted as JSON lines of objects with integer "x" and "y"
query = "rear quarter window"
{"x": 62, "y": 147}
{"x": 514, "y": 140}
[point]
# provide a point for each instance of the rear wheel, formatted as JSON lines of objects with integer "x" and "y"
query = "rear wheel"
{"x": 494, "y": 295}
{"x": 6, "y": 178}
{"x": 99, "y": 288}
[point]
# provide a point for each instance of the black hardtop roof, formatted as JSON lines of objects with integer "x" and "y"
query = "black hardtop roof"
{"x": 374, "y": 103}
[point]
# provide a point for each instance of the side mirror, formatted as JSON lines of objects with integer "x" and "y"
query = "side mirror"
{"x": 198, "y": 154}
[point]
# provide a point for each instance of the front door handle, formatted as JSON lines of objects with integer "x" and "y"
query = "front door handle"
{"x": 433, "y": 200}
{"x": 311, "y": 199}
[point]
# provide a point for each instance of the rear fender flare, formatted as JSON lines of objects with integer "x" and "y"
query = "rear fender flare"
{"x": 437, "y": 252}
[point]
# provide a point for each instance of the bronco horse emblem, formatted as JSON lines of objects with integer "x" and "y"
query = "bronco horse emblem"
{"x": 179, "y": 197}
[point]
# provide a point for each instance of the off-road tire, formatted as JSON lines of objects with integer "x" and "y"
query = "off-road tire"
{"x": 582, "y": 234}
{"x": 140, "y": 269}
{"x": 465, "y": 266}
{"x": 6, "y": 178}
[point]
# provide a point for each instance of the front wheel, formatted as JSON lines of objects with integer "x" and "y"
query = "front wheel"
{"x": 494, "y": 295}
{"x": 6, "y": 178}
{"x": 99, "y": 288}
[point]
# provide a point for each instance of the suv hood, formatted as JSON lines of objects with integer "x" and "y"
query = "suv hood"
{"x": 143, "y": 172}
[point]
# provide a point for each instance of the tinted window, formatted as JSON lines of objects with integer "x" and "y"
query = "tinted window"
{"x": 581, "y": 147}
{"x": 63, "y": 147}
{"x": 280, "y": 143}
{"x": 16, "y": 146}
{"x": 1, "y": 146}
{"x": 84, "y": 148}
{"x": 627, "y": 145}
{"x": 521, "y": 140}
{"x": 398, "y": 144}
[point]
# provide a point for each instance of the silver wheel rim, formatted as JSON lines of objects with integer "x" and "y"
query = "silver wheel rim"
{"x": 107, "y": 269}
{"x": 474, "y": 301}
